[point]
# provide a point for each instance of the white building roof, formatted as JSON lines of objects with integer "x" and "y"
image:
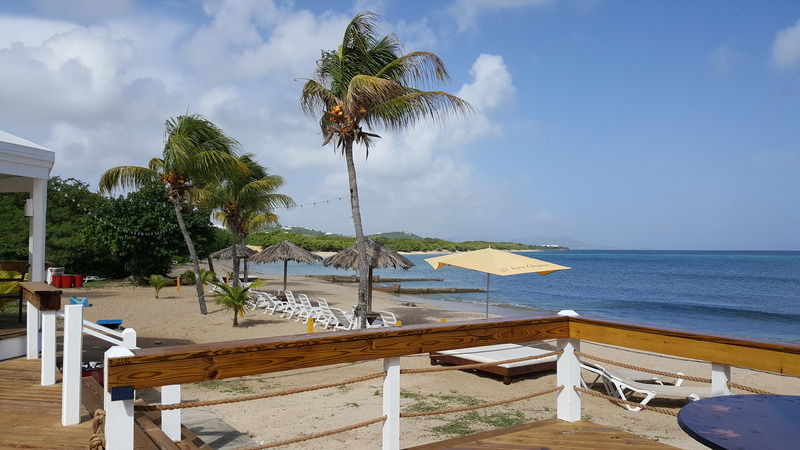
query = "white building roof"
{"x": 21, "y": 161}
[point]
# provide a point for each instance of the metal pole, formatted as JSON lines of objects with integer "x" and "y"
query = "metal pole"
{"x": 487, "y": 294}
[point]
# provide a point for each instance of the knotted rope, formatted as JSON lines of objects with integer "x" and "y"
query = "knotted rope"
{"x": 625, "y": 402}
{"x": 482, "y": 405}
{"x": 479, "y": 365}
{"x": 97, "y": 440}
{"x": 246, "y": 398}
{"x": 643, "y": 369}
{"x": 307, "y": 437}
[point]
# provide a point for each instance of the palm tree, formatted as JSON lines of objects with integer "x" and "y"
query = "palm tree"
{"x": 368, "y": 81}
{"x": 233, "y": 298}
{"x": 195, "y": 152}
{"x": 245, "y": 203}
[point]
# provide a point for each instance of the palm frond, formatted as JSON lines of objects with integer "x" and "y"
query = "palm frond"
{"x": 367, "y": 91}
{"x": 416, "y": 68}
{"x": 124, "y": 177}
{"x": 405, "y": 110}
{"x": 316, "y": 98}
{"x": 258, "y": 222}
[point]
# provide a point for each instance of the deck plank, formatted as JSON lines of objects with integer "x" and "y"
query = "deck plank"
{"x": 550, "y": 434}
{"x": 30, "y": 414}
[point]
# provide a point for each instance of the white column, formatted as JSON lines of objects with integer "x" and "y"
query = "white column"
{"x": 48, "y": 348}
{"x": 72, "y": 359}
{"x": 568, "y": 374}
{"x": 391, "y": 404}
{"x": 32, "y": 338}
{"x": 129, "y": 338}
{"x": 720, "y": 376}
{"x": 37, "y": 229}
{"x": 171, "y": 420}
{"x": 119, "y": 413}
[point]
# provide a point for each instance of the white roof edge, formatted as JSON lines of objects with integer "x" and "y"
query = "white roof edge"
{"x": 21, "y": 157}
{"x": 5, "y": 136}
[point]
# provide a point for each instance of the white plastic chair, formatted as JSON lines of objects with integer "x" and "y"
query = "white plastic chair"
{"x": 344, "y": 322}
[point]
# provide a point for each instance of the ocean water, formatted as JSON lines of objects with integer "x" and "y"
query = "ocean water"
{"x": 741, "y": 294}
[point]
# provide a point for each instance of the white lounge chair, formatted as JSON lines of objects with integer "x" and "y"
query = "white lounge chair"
{"x": 273, "y": 304}
{"x": 387, "y": 319}
{"x": 308, "y": 311}
{"x": 324, "y": 319}
{"x": 497, "y": 353}
{"x": 343, "y": 321}
{"x": 617, "y": 385}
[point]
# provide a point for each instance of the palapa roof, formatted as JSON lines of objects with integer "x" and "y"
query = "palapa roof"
{"x": 285, "y": 251}
{"x": 227, "y": 253}
{"x": 378, "y": 256}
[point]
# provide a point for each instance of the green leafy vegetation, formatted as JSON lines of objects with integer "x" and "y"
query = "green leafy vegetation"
{"x": 476, "y": 421}
{"x": 335, "y": 243}
{"x": 158, "y": 283}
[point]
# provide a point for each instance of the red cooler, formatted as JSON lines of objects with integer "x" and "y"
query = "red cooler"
{"x": 67, "y": 281}
{"x": 77, "y": 280}
{"x": 56, "y": 280}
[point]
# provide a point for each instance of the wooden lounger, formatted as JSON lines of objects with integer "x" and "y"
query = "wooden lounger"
{"x": 502, "y": 352}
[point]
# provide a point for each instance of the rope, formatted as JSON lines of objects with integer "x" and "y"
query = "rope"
{"x": 748, "y": 388}
{"x": 625, "y": 402}
{"x": 246, "y": 398}
{"x": 307, "y": 437}
{"x": 479, "y": 365}
{"x": 97, "y": 440}
{"x": 482, "y": 405}
{"x": 643, "y": 369}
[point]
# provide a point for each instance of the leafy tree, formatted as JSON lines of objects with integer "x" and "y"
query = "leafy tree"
{"x": 233, "y": 298}
{"x": 245, "y": 202}
{"x": 158, "y": 283}
{"x": 368, "y": 81}
{"x": 195, "y": 153}
{"x": 13, "y": 226}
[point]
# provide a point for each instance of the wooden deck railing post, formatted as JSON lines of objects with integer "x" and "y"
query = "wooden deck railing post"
{"x": 171, "y": 420}
{"x": 568, "y": 374}
{"x": 48, "y": 348}
{"x": 72, "y": 359}
{"x": 118, "y": 404}
{"x": 391, "y": 404}
{"x": 32, "y": 341}
{"x": 720, "y": 377}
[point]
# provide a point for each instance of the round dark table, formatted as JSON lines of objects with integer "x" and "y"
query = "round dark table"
{"x": 744, "y": 421}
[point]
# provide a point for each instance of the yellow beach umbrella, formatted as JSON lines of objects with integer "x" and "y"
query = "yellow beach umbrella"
{"x": 497, "y": 262}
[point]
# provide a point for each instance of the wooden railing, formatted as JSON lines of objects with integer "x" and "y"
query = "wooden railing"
{"x": 127, "y": 370}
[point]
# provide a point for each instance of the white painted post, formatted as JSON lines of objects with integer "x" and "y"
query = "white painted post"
{"x": 119, "y": 413}
{"x": 568, "y": 374}
{"x": 32, "y": 339}
{"x": 48, "y": 348}
{"x": 72, "y": 359}
{"x": 720, "y": 376}
{"x": 391, "y": 404}
{"x": 129, "y": 338}
{"x": 171, "y": 419}
{"x": 37, "y": 228}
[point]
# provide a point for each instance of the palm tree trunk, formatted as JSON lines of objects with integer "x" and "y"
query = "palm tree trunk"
{"x": 192, "y": 254}
{"x": 235, "y": 258}
{"x": 235, "y": 319}
{"x": 361, "y": 245}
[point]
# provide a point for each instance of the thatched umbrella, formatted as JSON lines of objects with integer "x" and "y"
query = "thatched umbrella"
{"x": 285, "y": 251}
{"x": 377, "y": 256}
{"x": 242, "y": 252}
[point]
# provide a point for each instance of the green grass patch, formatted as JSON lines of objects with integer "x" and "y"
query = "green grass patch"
{"x": 476, "y": 422}
{"x": 434, "y": 402}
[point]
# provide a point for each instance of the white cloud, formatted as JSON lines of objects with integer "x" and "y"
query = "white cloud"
{"x": 786, "y": 47}
{"x": 723, "y": 58}
{"x": 492, "y": 85}
{"x": 466, "y": 12}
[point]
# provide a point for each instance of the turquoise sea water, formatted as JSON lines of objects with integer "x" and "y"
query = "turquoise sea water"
{"x": 742, "y": 294}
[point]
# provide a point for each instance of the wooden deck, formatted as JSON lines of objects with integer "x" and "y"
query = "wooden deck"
{"x": 549, "y": 434}
{"x": 30, "y": 414}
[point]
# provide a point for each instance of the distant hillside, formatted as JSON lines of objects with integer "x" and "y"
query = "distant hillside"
{"x": 298, "y": 230}
{"x": 396, "y": 235}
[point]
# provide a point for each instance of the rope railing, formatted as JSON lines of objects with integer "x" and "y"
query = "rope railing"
{"x": 618, "y": 400}
{"x": 97, "y": 440}
{"x": 479, "y": 365}
{"x": 245, "y": 398}
{"x": 308, "y": 437}
{"x": 748, "y": 388}
{"x": 480, "y": 406}
{"x": 643, "y": 369}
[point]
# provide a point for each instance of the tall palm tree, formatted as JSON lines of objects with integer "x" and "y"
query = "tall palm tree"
{"x": 368, "y": 81}
{"x": 195, "y": 152}
{"x": 246, "y": 202}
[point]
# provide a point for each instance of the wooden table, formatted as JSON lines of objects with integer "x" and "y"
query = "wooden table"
{"x": 744, "y": 421}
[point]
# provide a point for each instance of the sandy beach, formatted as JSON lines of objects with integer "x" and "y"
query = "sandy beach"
{"x": 175, "y": 319}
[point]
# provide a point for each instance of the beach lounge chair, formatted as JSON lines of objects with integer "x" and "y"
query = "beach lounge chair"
{"x": 617, "y": 385}
{"x": 325, "y": 316}
{"x": 309, "y": 311}
{"x": 496, "y": 353}
{"x": 387, "y": 319}
{"x": 272, "y": 303}
{"x": 343, "y": 321}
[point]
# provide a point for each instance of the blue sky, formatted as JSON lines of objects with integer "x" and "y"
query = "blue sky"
{"x": 626, "y": 124}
